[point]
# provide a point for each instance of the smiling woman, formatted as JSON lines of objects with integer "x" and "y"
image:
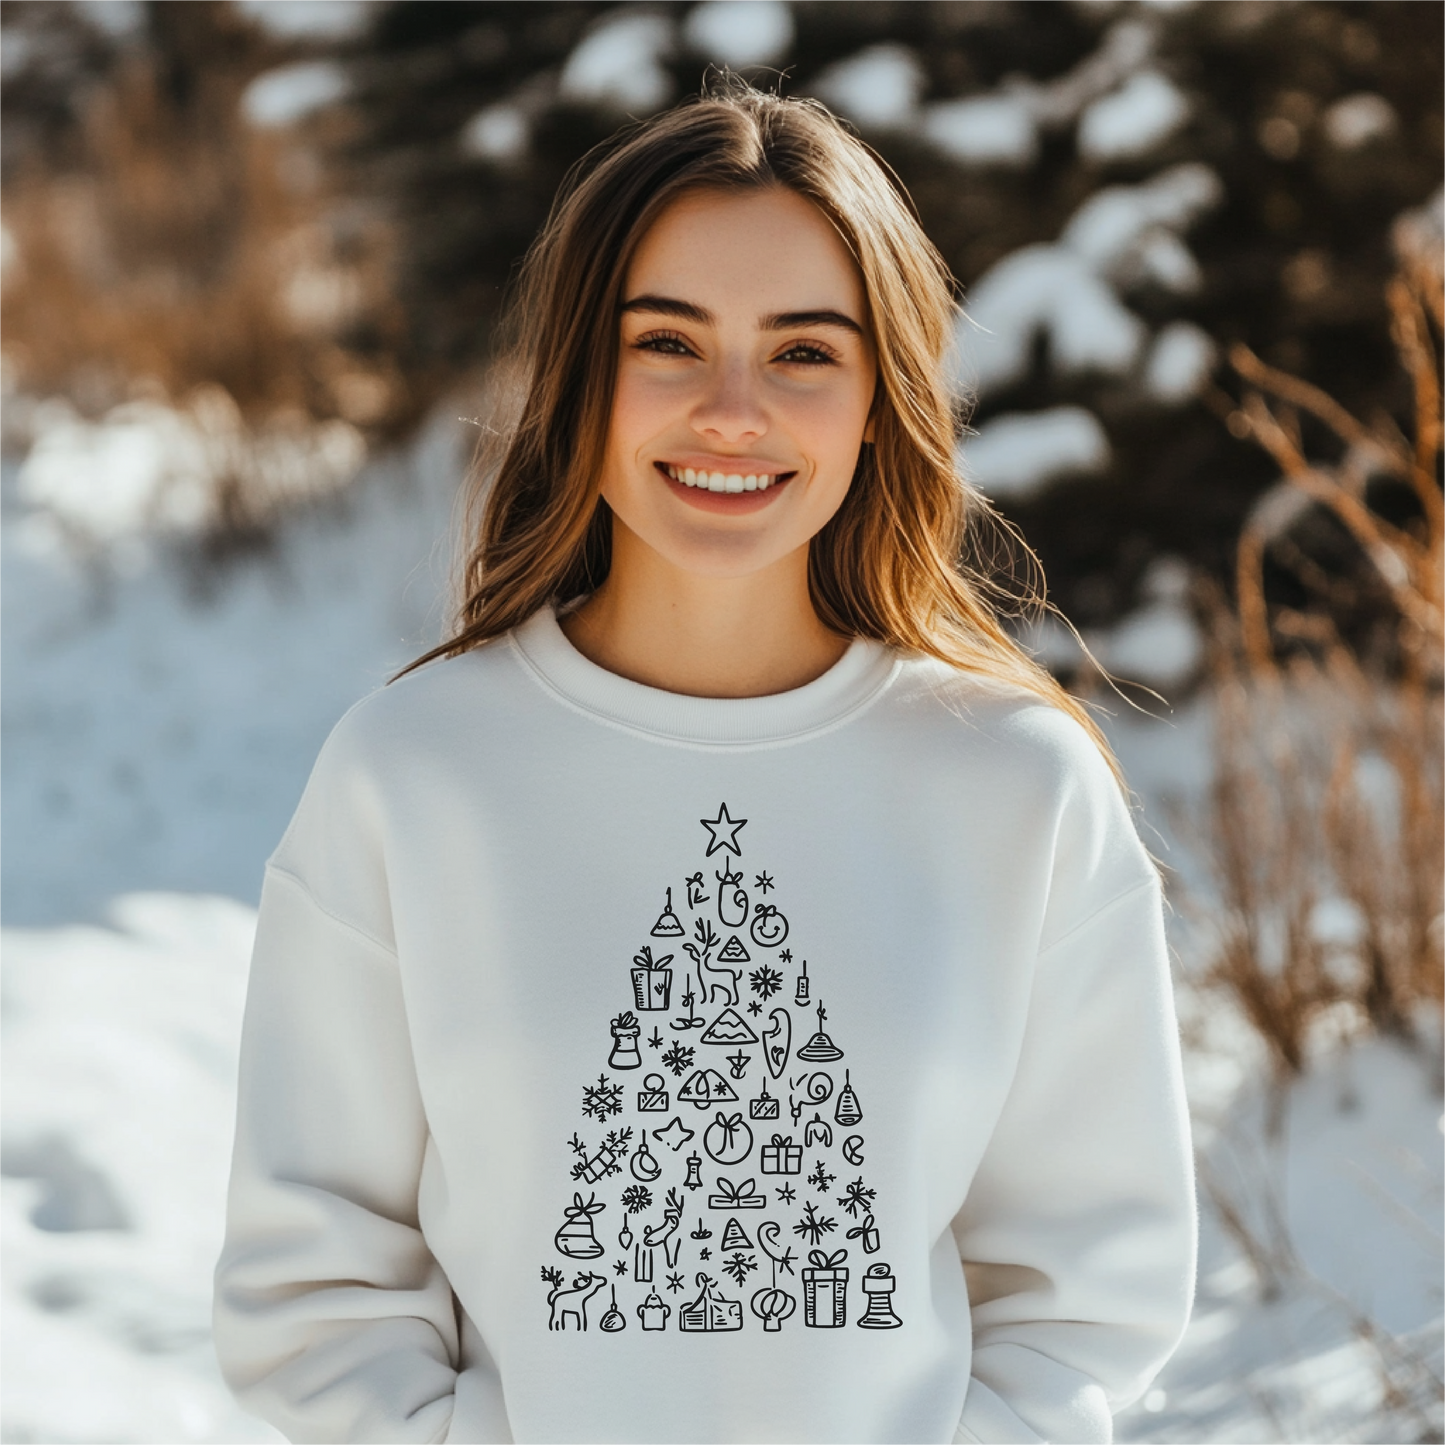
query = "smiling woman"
{"x": 714, "y": 610}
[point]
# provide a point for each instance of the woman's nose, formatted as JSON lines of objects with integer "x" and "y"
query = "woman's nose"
{"x": 730, "y": 410}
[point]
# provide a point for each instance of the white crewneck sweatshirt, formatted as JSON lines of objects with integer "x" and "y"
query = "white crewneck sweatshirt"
{"x": 626, "y": 1066}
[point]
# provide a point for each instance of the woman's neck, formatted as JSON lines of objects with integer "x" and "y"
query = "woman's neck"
{"x": 703, "y": 636}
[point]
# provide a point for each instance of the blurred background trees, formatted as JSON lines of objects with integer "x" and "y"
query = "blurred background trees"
{"x": 312, "y": 212}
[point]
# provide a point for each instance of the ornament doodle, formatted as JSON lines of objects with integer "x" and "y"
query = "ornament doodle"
{"x": 571, "y": 1302}
{"x": 644, "y": 1165}
{"x": 613, "y": 1320}
{"x": 800, "y": 998}
{"x": 866, "y": 1234}
{"x": 764, "y": 1107}
{"x": 738, "y": 1063}
{"x": 818, "y": 1088}
{"x": 853, "y": 1149}
{"x": 668, "y": 924}
{"x": 577, "y": 1238}
{"x": 848, "y": 1112}
{"x": 732, "y": 898}
{"x": 820, "y": 1049}
{"x": 652, "y": 1096}
{"x": 675, "y": 1134}
{"x": 694, "y": 1172}
{"x": 728, "y": 1140}
{"x": 769, "y": 927}
{"x": 716, "y": 827}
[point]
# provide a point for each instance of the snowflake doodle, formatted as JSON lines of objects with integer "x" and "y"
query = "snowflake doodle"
{"x": 674, "y": 1282}
{"x": 755, "y": 1008}
{"x": 813, "y": 1226}
{"x": 620, "y": 1266}
{"x": 787, "y": 1194}
{"x": 602, "y": 1099}
{"x": 764, "y": 882}
{"x": 739, "y": 1266}
{"x": 765, "y": 981}
{"x": 857, "y": 1198}
{"x": 636, "y": 1198}
{"x": 820, "y": 1179}
{"x": 655, "y": 1042}
{"x": 786, "y": 955}
{"x": 679, "y": 1059}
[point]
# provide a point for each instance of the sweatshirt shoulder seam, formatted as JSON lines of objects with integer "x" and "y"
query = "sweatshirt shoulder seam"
{"x": 1140, "y": 887}
{"x": 300, "y": 885}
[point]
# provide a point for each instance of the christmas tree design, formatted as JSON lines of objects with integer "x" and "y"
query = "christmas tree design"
{"x": 743, "y": 1074}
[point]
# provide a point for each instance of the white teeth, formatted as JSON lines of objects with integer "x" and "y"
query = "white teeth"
{"x": 720, "y": 481}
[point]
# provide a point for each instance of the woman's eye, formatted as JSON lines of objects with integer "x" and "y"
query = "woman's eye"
{"x": 807, "y": 353}
{"x": 664, "y": 343}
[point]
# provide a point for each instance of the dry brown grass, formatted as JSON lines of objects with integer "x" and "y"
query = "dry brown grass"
{"x": 183, "y": 255}
{"x": 1328, "y": 787}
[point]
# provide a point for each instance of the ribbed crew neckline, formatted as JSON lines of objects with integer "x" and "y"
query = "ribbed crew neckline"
{"x": 849, "y": 686}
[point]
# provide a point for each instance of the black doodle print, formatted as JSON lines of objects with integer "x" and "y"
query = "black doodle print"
{"x": 694, "y": 983}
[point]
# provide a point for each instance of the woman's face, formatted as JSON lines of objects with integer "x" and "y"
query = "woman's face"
{"x": 744, "y": 384}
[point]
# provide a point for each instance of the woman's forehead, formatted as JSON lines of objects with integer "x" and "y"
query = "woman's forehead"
{"x": 746, "y": 256}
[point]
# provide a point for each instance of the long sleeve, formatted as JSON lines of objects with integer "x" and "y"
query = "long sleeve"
{"x": 1078, "y": 1233}
{"x": 332, "y": 1319}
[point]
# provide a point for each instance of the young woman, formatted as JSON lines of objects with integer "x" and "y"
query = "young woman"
{"x": 720, "y": 995}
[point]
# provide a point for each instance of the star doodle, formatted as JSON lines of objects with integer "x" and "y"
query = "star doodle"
{"x": 655, "y": 1042}
{"x": 723, "y": 824}
{"x": 787, "y": 1194}
{"x": 620, "y": 1266}
{"x": 675, "y": 1135}
{"x": 755, "y": 1008}
{"x": 674, "y": 1282}
{"x": 764, "y": 882}
{"x": 704, "y": 1254}
{"x": 786, "y": 955}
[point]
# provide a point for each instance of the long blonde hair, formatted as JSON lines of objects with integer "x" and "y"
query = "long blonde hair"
{"x": 901, "y": 561}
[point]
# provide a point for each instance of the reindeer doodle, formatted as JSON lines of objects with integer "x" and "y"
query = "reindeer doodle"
{"x": 708, "y": 976}
{"x": 571, "y": 1301}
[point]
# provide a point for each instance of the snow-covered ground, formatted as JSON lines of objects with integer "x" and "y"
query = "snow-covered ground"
{"x": 155, "y": 741}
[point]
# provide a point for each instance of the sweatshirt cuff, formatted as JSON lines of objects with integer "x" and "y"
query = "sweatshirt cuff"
{"x": 1067, "y": 1405}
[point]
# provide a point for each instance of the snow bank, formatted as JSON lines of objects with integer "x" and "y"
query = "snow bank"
{"x": 1134, "y": 120}
{"x": 290, "y": 93}
{"x": 1120, "y": 236}
{"x": 1020, "y": 453}
{"x": 740, "y": 32}
{"x": 618, "y": 63}
{"x": 120, "y": 1058}
{"x": 877, "y": 87}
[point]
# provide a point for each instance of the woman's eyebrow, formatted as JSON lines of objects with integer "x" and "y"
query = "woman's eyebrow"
{"x": 778, "y": 321}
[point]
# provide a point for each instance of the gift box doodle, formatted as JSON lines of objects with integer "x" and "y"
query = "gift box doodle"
{"x": 782, "y": 1156}
{"x": 825, "y": 1290}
